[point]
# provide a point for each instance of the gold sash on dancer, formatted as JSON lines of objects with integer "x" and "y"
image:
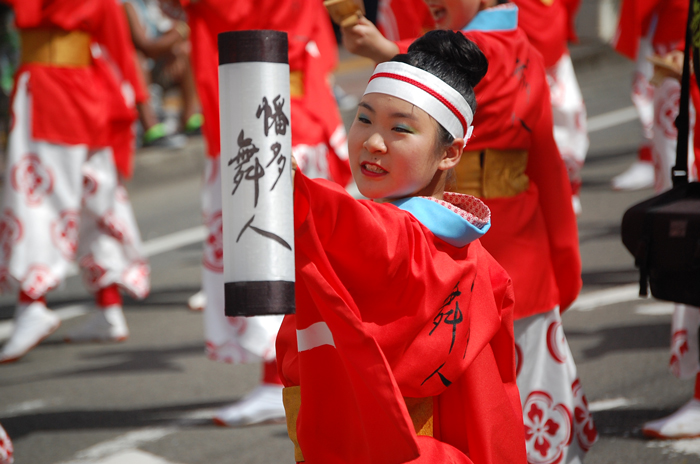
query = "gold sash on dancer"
{"x": 55, "y": 47}
{"x": 420, "y": 410}
{"x": 296, "y": 83}
{"x": 492, "y": 173}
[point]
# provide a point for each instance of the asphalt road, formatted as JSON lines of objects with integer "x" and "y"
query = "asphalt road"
{"x": 150, "y": 400}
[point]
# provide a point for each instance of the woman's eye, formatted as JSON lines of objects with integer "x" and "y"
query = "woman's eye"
{"x": 403, "y": 129}
{"x": 363, "y": 119}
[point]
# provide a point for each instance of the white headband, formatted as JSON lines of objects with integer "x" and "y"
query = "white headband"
{"x": 428, "y": 92}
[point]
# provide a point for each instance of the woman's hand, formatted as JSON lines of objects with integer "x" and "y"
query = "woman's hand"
{"x": 364, "y": 39}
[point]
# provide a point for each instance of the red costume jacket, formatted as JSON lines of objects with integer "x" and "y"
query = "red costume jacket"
{"x": 668, "y": 17}
{"x": 533, "y": 234}
{"x": 315, "y": 116}
{"x": 549, "y": 25}
{"x": 92, "y": 105}
{"x": 392, "y": 301}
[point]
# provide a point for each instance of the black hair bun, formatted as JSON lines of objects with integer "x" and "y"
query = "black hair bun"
{"x": 451, "y": 57}
{"x": 455, "y": 51}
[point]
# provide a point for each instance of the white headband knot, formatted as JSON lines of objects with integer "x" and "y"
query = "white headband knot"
{"x": 428, "y": 92}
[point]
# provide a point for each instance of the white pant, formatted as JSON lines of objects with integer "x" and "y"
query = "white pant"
{"x": 569, "y": 117}
{"x": 558, "y": 425}
{"x": 62, "y": 202}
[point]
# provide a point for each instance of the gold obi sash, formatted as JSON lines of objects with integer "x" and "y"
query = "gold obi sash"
{"x": 492, "y": 173}
{"x": 296, "y": 83}
{"x": 420, "y": 410}
{"x": 55, "y": 47}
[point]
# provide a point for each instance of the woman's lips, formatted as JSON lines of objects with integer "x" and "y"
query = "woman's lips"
{"x": 373, "y": 170}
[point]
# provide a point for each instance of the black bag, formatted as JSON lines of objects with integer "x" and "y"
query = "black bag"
{"x": 663, "y": 232}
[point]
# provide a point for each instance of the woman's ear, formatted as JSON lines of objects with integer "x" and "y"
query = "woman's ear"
{"x": 452, "y": 155}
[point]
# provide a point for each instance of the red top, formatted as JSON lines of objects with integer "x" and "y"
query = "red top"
{"x": 408, "y": 315}
{"x": 533, "y": 235}
{"x": 315, "y": 116}
{"x": 92, "y": 105}
{"x": 637, "y": 16}
{"x": 397, "y": 19}
{"x": 548, "y": 26}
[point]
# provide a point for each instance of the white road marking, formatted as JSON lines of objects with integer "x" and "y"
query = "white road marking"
{"x": 65, "y": 313}
{"x": 123, "y": 448}
{"x": 612, "y": 119}
{"x": 593, "y": 300}
{"x": 133, "y": 456}
{"x": 174, "y": 241}
{"x": 127, "y": 441}
{"x": 688, "y": 446}
{"x": 198, "y": 415}
{"x": 613, "y": 403}
{"x": 657, "y": 309}
{"x": 23, "y": 407}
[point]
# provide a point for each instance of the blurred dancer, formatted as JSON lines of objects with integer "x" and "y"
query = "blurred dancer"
{"x": 70, "y": 141}
{"x": 646, "y": 28}
{"x": 549, "y": 25}
{"x": 163, "y": 49}
{"x": 318, "y": 144}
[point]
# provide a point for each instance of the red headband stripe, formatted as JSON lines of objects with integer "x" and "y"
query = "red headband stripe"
{"x": 430, "y": 91}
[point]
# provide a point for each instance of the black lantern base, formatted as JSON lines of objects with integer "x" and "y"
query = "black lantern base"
{"x": 259, "y": 298}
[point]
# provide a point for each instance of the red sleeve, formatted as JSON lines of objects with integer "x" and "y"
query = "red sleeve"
{"x": 26, "y": 11}
{"x": 113, "y": 34}
{"x": 572, "y": 7}
{"x": 634, "y": 20}
{"x": 325, "y": 40}
{"x": 546, "y": 169}
{"x": 385, "y": 239}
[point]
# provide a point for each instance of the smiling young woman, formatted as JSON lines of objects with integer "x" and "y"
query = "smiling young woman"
{"x": 403, "y": 334}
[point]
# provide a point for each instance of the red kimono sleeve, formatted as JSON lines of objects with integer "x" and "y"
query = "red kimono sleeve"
{"x": 546, "y": 169}
{"x": 113, "y": 34}
{"x": 26, "y": 11}
{"x": 376, "y": 278}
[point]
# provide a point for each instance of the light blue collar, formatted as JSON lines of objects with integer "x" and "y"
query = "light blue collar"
{"x": 500, "y": 18}
{"x": 445, "y": 224}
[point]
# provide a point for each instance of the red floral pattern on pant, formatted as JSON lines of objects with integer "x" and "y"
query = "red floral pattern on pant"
{"x": 38, "y": 281}
{"x": 679, "y": 346}
{"x": 137, "y": 279}
{"x": 6, "y": 450}
{"x": 93, "y": 273}
{"x": 113, "y": 226}
{"x": 556, "y": 342}
{"x": 64, "y": 233}
{"x": 11, "y": 231}
{"x": 548, "y": 428}
{"x": 584, "y": 428}
{"x": 32, "y": 179}
{"x": 214, "y": 245}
